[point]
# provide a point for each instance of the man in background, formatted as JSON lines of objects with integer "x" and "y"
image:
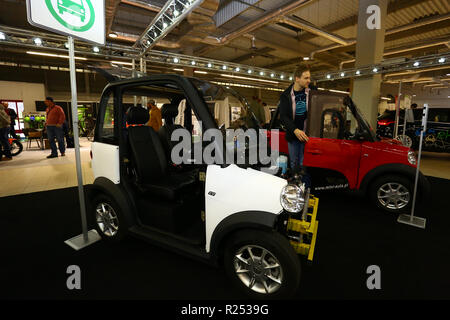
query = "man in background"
{"x": 55, "y": 120}
{"x": 155, "y": 120}
{"x": 13, "y": 115}
{"x": 5, "y": 149}
{"x": 293, "y": 106}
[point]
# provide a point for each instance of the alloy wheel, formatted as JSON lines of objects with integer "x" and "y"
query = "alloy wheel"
{"x": 107, "y": 219}
{"x": 258, "y": 269}
{"x": 393, "y": 195}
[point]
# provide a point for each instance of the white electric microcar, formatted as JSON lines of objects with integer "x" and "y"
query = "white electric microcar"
{"x": 252, "y": 223}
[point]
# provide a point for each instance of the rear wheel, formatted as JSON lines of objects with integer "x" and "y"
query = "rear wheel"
{"x": 109, "y": 220}
{"x": 262, "y": 264}
{"x": 392, "y": 193}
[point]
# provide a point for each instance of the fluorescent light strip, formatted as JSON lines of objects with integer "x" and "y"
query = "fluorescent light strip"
{"x": 246, "y": 78}
{"x": 177, "y": 69}
{"x": 122, "y": 62}
{"x": 201, "y": 72}
{"x": 53, "y": 55}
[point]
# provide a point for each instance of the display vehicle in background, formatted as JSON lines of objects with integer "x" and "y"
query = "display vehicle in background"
{"x": 343, "y": 152}
{"x": 253, "y": 223}
{"x": 436, "y": 137}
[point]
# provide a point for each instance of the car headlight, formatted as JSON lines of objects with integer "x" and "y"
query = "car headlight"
{"x": 412, "y": 157}
{"x": 292, "y": 198}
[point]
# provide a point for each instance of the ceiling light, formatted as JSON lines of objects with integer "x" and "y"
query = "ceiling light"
{"x": 342, "y": 74}
{"x": 2, "y": 36}
{"x": 175, "y": 60}
{"x": 416, "y": 64}
{"x": 224, "y": 67}
{"x": 237, "y": 69}
{"x": 272, "y": 75}
{"x": 358, "y": 72}
{"x": 246, "y": 78}
{"x": 66, "y": 45}
{"x": 441, "y": 60}
{"x": 122, "y": 62}
{"x": 328, "y": 76}
{"x": 176, "y": 13}
{"x": 290, "y": 78}
{"x": 112, "y": 35}
{"x": 181, "y": 70}
{"x": 96, "y": 49}
{"x": 209, "y": 65}
{"x": 261, "y": 73}
{"x": 282, "y": 77}
{"x": 375, "y": 70}
{"x": 306, "y": 58}
{"x": 37, "y": 41}
{"x": 193, "y": 63}
{"x": 164, "y": 25}
{"x": 249, "y": 71}
{"x": 52, "y": 55}
{"x": 201, "y": 72}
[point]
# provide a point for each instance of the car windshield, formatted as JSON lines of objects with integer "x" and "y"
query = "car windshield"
{"x": 362, "y": 120}
{"x": 229, "y": 109}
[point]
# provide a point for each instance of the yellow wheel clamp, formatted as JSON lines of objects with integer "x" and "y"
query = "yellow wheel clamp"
{"x": 302, "y": 233}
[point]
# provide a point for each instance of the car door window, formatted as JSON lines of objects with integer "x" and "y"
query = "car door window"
{"x": 106, "y": 125}
{"x": 332, "y": 125}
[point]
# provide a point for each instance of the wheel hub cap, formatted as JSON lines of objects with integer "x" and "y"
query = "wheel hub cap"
{"x": 107, "y": 220}
{"x": 393, "y": 195}
{"x": 258, "y": 269}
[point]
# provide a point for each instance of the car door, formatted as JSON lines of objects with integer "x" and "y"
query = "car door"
{"x": 332, "y": 159}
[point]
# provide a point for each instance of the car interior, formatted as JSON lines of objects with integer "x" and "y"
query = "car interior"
{"x": 169, "y": 197}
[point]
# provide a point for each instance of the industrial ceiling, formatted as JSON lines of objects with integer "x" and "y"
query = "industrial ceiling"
{"x": 271, "y": 34}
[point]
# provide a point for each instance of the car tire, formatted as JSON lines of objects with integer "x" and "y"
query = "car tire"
{"x": 392, "y": 193}
{"x": 108, "y": 218}
{"x": 267, "y": 249}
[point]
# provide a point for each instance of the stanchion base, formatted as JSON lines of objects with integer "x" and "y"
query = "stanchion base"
{"x": 415, "y": 222}
{"x": 78, "y": 242}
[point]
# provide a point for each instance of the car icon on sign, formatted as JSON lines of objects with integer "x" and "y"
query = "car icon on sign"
{"x": 74, "y": 7}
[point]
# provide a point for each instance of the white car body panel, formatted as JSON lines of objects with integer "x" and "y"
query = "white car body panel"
{"x": 105, "y": 161}
{"x": 237, "y": 190}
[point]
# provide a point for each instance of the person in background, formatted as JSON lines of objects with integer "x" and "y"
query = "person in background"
{"x": 409, "y": 114}
{"x": 258, "y": 110}
{"x": 13, "y": 115}
{"x": 155, "y": 120}
{"x": 293, "y": 106}
{"x": 5, "y": 149}
{"x": 55, "y": 120}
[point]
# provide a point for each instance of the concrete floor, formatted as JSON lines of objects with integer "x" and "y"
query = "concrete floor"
{"x": 31, "y": 171}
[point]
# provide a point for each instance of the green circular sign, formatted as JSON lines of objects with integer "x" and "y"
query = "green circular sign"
{"x": 79, "y": 13}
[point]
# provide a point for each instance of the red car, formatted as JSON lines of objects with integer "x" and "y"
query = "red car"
{"x": 343, "y": 152}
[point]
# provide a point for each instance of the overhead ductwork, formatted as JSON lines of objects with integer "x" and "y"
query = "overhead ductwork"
{"x": 420, "y": 23}
{"x": 305, "y": 25}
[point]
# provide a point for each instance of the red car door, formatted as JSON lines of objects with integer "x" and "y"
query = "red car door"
{"x": 338, "y": 155}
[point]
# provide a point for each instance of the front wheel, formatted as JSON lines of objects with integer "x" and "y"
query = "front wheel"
{"x": 392, "y": 193}
{"x": 109, "y": 220}
{"x": 262, "y": 264}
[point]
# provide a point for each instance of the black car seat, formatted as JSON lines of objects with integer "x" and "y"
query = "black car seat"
{"x": 168, "y": 112}
{"x": 150, "y": 162}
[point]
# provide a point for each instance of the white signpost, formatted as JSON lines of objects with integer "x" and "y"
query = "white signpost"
{"x": 85, "y": 20}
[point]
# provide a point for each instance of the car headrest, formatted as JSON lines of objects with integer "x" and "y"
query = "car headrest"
{"x": 137, "y": 115}
{"x": 169, "y": 111}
